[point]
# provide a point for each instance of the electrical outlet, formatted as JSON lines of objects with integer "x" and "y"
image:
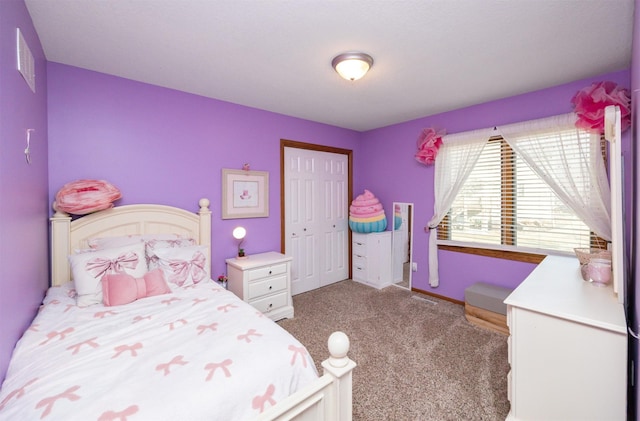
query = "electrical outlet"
{"x": 414, "y": 266}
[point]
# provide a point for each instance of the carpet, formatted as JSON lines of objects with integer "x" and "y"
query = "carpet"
{"x": 417, "y": 359}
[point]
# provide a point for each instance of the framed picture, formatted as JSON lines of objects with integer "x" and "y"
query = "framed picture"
{"x": 245, "y": 194}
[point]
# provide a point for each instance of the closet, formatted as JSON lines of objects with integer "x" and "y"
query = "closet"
{"x": 316, "y": 188}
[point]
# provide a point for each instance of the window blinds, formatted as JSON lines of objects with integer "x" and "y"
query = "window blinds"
{"x": 504, "y": 204}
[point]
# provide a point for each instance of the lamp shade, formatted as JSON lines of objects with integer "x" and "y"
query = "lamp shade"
{"x": 352, "y": 66}
{"x": 239, "y": 233}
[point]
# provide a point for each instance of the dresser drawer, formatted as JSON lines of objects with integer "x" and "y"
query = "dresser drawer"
{"x": 359, "y": 248}
{"x": 270, "y": 303}
{"x": 268, "y": 286}
{"x": 263, "y": 272}
{"x": 359, "y": 271}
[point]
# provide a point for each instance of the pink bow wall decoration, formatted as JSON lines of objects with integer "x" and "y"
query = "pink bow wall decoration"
{"x": 429, "y": 142}
{"x": 589, "y": 104}
{"x": 183, "y": 268}
{"x": 100, "y": 266}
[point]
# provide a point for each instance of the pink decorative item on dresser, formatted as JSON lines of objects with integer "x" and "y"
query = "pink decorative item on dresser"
{"x": 81, "y": 197}
{"x": 366, "y": 214}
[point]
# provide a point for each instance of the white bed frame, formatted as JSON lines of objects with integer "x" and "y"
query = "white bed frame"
{"x": 328, "y": 398}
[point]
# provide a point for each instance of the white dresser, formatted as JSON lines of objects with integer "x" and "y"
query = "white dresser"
{"x": 372, "y": 258}
{"x": 264, "y": 281}
{"x": 568, "y": 347}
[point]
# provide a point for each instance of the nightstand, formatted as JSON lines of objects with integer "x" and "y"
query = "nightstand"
{"x": 264, "y": 281}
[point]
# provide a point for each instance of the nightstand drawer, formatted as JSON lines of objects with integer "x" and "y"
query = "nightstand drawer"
{"x": 270, "y": 303}
{"x": 268, "y": 286}
{"x": 260, "y": 273}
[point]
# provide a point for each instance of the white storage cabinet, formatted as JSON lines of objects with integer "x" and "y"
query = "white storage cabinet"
{"x": 371, "y": 258}
{"x": 264, "y": 281}
{"x": 568, "y": 347}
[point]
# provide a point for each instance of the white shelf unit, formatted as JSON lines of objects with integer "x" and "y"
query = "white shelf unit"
{"x": 372, "y": 258}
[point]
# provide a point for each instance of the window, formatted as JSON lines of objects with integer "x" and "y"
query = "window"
{"x": 505, "y": 205}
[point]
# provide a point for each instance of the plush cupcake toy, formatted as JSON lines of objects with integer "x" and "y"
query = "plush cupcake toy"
{"x": 366, "y": 214}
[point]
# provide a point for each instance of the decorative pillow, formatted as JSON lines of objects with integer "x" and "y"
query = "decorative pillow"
{"x": 185, "y": 265}
{"x": 120, "y": 288}
{"x": 155, "y": 244}
{"x": 89, "y": 268}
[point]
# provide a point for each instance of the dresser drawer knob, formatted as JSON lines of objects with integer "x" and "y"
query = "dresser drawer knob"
{"x": 270, "y": 272}
{"x": 270, "y": 287}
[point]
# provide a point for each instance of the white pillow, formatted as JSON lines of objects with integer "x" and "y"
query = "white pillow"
{"x": 156, "y": 244}
{"x": 88, "y": 269}
{"x": 184, "y": 266}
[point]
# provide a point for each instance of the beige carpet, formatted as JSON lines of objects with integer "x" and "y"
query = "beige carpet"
{"x": 416, "y": 360}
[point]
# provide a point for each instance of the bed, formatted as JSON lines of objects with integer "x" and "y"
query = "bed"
{"x": 186, "y": 349}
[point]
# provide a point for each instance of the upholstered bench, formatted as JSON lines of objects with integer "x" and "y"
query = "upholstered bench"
{"x": 484, "y": 306}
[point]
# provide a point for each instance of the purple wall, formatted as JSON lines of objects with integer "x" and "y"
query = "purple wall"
{"x": 392, "y": 173}
{"x": 164, "y": 146}
{"x": 23, "y": 187}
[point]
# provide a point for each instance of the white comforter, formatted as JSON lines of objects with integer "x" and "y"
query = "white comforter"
{"x": 199, "y": 353}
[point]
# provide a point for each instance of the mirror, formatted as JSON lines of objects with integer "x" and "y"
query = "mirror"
{"x": 402, "y": 244}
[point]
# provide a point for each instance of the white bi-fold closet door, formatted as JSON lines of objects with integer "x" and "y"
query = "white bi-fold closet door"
{"x": 316, "y": 213}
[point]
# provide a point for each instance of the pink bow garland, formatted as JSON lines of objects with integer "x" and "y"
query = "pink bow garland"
{"x": 99, "y": 266}
{"x": 429, "y": 142}
{"x": 182, "y": 268}
{"x": 589, "y": 104}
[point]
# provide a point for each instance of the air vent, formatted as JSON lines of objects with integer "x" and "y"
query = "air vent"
{"x": 26, "y": 65}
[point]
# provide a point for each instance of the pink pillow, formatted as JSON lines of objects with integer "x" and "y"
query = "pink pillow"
{"x": 120, "y": 288}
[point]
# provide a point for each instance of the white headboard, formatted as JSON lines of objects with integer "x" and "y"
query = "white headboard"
{"x": 68, "y": 235}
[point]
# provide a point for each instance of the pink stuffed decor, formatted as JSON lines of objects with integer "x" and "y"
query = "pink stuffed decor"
{"x": 120, "y": 288}
{"x": 589, "y": 104}
{"x": 86, "y": 196}
{"x": 429, "y": 142}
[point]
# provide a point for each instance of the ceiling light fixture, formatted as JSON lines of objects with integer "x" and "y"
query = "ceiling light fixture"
{"x": 352, "y": 66}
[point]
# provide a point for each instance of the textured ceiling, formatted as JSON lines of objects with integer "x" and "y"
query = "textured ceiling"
{"x": 430, "y": 56}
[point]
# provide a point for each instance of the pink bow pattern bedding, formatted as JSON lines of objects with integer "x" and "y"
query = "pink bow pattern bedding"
{"x": 197, "y": 353}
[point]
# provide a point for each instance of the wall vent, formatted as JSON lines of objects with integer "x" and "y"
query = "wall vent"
{"x": 26, "y": 65}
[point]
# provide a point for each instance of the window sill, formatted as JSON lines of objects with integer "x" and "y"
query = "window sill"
{"x": 500, "y": 254}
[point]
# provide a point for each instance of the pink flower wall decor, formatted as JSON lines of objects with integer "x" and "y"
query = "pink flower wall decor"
{"x": 429, "y": 142}
{"x": 82, "y": 197}
{"x": 589, "y": 104}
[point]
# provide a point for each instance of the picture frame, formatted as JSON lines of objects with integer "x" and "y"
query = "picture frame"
{"x": 245, "y": 194}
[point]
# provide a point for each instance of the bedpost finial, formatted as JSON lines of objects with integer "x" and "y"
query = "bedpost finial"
{"x": 338, "y": 345}
{"x": 204, "y": 203}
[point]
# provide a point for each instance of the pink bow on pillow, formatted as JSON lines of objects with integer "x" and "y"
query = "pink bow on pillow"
{"x": 120, "y": 288}
{"x": 181, "y": 269}
{"x": 99, "y": 266}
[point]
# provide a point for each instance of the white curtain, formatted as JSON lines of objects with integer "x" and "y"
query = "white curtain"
{"x": 456, "y": 158}
{"x": 584, "y": 188}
